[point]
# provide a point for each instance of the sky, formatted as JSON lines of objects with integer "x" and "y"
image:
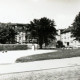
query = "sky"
{"x": 63, "y": 12}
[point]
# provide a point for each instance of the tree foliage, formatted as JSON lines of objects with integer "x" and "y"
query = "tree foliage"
{"x": 43, "y": 29}
{"x": 76, "y": 28}
{"x": 7, "y": 34}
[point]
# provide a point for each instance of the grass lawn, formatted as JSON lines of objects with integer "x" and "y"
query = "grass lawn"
{"x": 61, "y": 53}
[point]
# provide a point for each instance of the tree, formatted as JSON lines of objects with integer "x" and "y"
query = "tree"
{"x": 11, "y": 34}
{"x": 7, "y": 34}
{"x": 43, "y": 29}
{"x": 76, "y": 28}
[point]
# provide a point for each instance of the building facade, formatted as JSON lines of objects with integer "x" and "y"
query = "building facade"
{"x": 20, "y": 38}
{"x": 67, "y": 39}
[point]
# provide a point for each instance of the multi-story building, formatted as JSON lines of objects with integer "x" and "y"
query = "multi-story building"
{"x": 20, "y": 37}
{"x": 67, "y": 39}
{"x": 58, "y": 36}
{"x": 20, "y": 28}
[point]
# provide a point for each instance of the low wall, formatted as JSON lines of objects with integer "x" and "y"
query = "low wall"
{"x": 30, "y": 46}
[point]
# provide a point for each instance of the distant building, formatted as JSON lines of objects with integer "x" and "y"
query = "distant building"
{"x": 58, "y": 36}
{"x": 20, "y": 38}
{"x": 67, "y": 40}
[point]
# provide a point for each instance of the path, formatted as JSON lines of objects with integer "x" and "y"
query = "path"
{"x": 11, "y": 56}
{"x": 39, "y": 65}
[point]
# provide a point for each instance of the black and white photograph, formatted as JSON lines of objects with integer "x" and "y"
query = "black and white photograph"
{"x": 39, "y": 39}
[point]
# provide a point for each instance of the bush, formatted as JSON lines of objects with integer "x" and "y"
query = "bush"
{"x": 59, "y": 44}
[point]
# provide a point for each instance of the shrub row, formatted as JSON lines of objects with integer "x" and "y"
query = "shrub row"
{"x": 13, "y": 47}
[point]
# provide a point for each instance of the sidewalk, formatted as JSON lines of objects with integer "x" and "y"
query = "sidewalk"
{"x": 39, "y": 65}
{"x": 11, "y": 56}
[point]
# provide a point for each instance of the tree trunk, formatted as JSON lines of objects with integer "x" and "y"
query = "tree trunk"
{"x": 40, "y": 46}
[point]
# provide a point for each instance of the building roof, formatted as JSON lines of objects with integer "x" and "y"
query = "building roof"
{"x": 17, "y": 24}
{"x": 14, "y": 24}
{"x": 66, "y": 30}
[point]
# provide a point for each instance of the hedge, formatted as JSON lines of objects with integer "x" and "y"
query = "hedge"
{"x": 13, "y": 47}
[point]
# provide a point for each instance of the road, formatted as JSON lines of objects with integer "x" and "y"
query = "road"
{"x": 39, "y": 65}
